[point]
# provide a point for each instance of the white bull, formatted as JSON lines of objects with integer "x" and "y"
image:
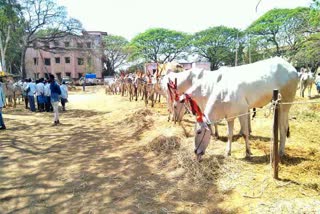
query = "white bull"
{"x": 243, "y": 88}
{"x": 306, "y": 81}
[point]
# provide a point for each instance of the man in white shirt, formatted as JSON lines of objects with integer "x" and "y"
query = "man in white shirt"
{"x": 31, "y": 90}
{"x": 40, "y": 95}
{"x": 64, "y": 95}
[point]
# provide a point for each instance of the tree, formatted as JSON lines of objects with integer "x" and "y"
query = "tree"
{"x": 281, "y": 29}
{"x": 10, "y": 29}
{"x": 315, "y": 14}
{"x": 218, "y": 45}
{"x": 159, "y": 45}
{"x": 308, "y": 54}
{"x": 45, "y": 22}
{"x": 116, "y": 52}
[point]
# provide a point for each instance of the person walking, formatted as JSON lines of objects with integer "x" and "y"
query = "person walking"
{"x": 55, "y": 97}
{"x": 31, "y": 90}
{"x": 64, "y": 95}
{"x": 2, "y": 102}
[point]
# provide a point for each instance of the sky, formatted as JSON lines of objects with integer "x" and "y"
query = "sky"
{"x": 128, "y": 18}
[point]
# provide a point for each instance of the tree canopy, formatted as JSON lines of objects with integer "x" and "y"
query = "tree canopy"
{"x": 116, "y": 52}
{"x": 281, "y": 28}
{"x": 160, "y": 45}
{"x": 217, "y": 44}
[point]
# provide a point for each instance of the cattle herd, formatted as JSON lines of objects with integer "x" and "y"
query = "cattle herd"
{"x": 227, "y": 93}
{"x": 13, "y": 92}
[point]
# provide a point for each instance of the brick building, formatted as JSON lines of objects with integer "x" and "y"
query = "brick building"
{"x": 72, "y": 56}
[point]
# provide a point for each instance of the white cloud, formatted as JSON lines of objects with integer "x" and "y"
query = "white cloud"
{"x": 130, "y": 17}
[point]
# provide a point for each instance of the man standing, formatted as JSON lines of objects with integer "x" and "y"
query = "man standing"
{"x": 31, "y": 90}
{"x": 2, "y": 102}
{"x": 40, "y": 95}
{"x": 55, "y": 97}
{"x": 64, "y": 95}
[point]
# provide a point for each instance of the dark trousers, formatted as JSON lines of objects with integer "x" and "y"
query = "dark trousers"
{"x": 63, "y": 103}
{"x": 48, "y": 104}
{"x": 40, "y": 103}
{"x": 26, "y": 101}
{"x": 31, "y": 103}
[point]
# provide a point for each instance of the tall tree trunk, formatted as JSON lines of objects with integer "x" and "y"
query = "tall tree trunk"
{"x": 3, "y": 48}
{"x": 23, "y": 63}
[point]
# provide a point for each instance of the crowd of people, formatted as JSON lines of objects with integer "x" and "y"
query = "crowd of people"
{"x": 46, "y": 93}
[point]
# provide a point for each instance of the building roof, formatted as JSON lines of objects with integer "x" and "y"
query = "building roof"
{"x": 95, "y": 32}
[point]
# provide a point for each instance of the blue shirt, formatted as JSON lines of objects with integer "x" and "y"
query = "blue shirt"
{"x": 55, "y": 92}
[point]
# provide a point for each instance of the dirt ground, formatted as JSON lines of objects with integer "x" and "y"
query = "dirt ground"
{"x": 110, "y": 155}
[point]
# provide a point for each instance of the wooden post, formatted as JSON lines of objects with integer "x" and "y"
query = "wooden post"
{"x": 275, "y": 152}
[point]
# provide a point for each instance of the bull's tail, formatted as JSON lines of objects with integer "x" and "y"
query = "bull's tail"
{"x": 288, "y": 132}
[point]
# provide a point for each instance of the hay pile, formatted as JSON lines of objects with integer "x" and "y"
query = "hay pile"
{"x": 140, "y": 119}
{"x": 199, "y": 173}
{"x": 164, "y": 145}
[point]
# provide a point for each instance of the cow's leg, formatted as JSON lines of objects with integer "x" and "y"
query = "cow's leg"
{"x": 14, "y": 100}
{"x": 136, "y": 93}
{"x": 152, "y": 99}
{"x": 249, "y": 122}
{"x": 302, "y": 89}
{"x": 284, "y": 126}
{"x": 310, "y": 87}
{"x": 244, "y": 122}
{"x": 230, "y": 134}
{"x": 216, "y": 132}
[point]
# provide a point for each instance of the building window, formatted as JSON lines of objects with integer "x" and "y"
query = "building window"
{"x": 57, "y": 60}
{"x": 67, "y": 60}
{"x": 46, "y": 44}
{"x": 56, "y": 43}
{"x": 47, "y": 61}
{"x": 80, "y": 61}
{"x": 68, "y": 74}
{"x": 88, "y": 44}
{"x": 66, "y": 44}
{"x": 35, "y": 61}
{"x": 89, "y": 60}
{"x": 79, "y": 45}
